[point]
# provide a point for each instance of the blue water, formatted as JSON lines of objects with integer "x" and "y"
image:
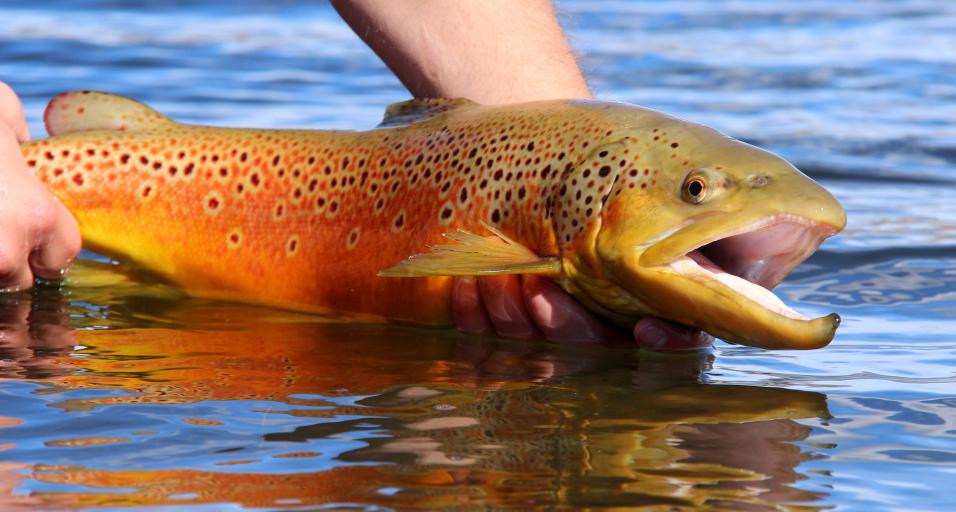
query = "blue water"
{"x": 121, "y": 393}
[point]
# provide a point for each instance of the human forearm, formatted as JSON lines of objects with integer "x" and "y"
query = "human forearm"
{"x": 490, "y": 51}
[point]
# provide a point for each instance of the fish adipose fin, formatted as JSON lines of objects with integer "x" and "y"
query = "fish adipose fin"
{"x": 407, "y": 112}
{"x": 475, "y": 255}
{"x": 81, "y": 111}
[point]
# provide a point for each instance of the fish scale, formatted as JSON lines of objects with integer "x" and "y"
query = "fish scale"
{"x": 609, "y": 200}
{"x": 304, "y": 219}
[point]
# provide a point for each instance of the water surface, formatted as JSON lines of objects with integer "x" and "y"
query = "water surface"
{"x": 118, "y": 392}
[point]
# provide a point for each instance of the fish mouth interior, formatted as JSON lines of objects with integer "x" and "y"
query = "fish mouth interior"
{"x": 753, "y": 261}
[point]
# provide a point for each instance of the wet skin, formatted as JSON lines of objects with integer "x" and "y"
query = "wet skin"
{"x": 529, "y": 307}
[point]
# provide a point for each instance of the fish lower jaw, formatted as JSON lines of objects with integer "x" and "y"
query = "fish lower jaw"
{"x": 697, "y": 266}
{"x": 739, "y": 311}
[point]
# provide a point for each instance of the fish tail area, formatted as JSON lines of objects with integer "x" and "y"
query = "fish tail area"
{"x": 80, "y": 111}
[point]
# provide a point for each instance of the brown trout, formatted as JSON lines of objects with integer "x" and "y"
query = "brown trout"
{"x": 632, "y": 211}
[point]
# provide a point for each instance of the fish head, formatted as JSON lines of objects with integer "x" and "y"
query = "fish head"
{"x": 679, "y": 221}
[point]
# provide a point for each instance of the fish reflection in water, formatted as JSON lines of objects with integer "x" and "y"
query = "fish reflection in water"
{"x": 444, "y": 420}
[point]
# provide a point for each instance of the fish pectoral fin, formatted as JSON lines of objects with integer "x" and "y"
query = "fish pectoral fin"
{"x": 407, "y": 112}
{"x": 80, "y": 111}
{"x": 475, "y": 255}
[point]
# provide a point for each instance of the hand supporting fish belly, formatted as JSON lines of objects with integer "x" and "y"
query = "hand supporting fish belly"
{"x": 635, "y": 213}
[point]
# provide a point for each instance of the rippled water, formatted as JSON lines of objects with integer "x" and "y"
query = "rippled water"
{"x": 118, "y": 392}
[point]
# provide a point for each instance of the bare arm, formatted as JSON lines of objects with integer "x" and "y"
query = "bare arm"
{"x": 489, "y": 51}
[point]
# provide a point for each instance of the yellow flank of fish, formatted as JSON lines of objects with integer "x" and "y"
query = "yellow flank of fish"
{"x": 591, "y": 194}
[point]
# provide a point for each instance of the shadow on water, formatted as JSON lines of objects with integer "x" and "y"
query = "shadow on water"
{"x": 223, "y": 403}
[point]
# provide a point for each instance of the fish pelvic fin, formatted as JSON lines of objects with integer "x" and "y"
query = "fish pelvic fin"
{"x": 80, "y": 111}
{"x": 475, "y": 255}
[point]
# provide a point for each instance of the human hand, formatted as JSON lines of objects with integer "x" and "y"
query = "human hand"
{"x": 530, "y": 307}
{"x": 38, "y": 236}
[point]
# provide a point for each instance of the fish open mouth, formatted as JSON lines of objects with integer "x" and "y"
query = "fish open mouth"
{"x": 758, "y": 259}
{"x": 739, "y": 268}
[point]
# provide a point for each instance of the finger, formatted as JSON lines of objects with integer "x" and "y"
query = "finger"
{"x": 14, "y": 273}
{"x": 51, "y": 259}
{"x": 560, "y": 317}
{"x": 467, "y": 309}
{"x": 15, "y": 278}
{"x": 660, "y": 335}
{"x": 504, "y": 304}
{"x": 11, "y": 113}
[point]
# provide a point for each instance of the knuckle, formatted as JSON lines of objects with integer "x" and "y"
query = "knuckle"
{"x": 72, "y": 246}
{"x": 43, "y": 216}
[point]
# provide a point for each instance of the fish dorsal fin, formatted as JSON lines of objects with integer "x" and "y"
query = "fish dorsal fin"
{"x": 80, "y": 111}
{"x": 408, "y": 112}
{"x": 475, "y": 255}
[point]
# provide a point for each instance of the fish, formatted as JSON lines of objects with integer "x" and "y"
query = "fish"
{"x": 631, "y": 211}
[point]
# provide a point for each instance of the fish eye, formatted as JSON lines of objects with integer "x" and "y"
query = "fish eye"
{"x": 694, "y": 190}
